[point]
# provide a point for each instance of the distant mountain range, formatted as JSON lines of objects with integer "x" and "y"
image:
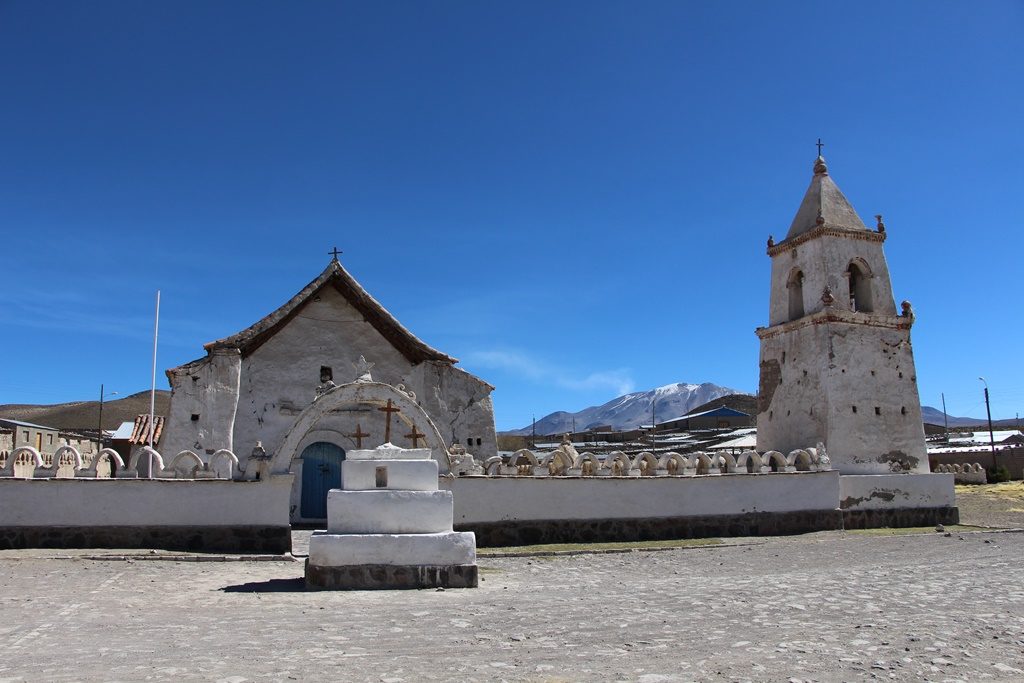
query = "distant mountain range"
{"x": 632, "y": 410}
{"x": 84, "y": 415}
{"x": 934, "y": 416}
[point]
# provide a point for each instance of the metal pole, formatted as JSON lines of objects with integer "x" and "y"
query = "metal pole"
{"x": 991, "y": 437}
{"x": 152, "y": 391}
{"x": 99, "y": 432}
{"x": 945, "y": 418}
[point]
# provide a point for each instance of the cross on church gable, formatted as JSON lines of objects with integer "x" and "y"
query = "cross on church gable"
{"x": 333, "y": 253}
{"x": 358, "y": 435}
{"x": 820, "y": 145}
{"x": 389, "y": 409}
{"x": 415, "y": 437}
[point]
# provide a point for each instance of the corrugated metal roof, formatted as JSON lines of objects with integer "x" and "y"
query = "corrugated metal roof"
{"x": 124, "y": 431}
{"x": 19, "y": 423}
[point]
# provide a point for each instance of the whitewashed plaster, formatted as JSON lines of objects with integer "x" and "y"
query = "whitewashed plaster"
{"x": 893, "y": 491}
{"x": 496, "y": 499}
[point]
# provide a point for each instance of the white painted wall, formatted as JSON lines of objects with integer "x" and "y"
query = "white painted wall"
{"x": 889, "y": 491}
{"x": 143, "y": 502}
{"x": 495, "y": 499}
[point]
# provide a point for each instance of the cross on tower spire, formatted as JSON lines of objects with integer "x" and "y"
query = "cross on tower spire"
{"x": 820, "y": 145}
{"x": 334, "y": 253}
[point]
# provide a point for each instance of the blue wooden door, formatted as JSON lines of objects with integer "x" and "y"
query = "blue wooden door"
{"x": 321, "y": 472}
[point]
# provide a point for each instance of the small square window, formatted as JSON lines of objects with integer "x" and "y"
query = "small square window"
{"x": 878, "y": 411}
{"x": 855, "y": 409}
{"x": 195, "y": 417}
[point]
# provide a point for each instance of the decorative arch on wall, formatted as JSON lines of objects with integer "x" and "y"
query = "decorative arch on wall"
{"x": 859, "y": 275}
{"x": 361, "y": 393}
{"x": 795, "y": 286}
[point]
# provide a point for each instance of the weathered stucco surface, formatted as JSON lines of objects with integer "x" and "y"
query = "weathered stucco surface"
{"x": 837, "y": 365}
{"x": 242, "y": 399}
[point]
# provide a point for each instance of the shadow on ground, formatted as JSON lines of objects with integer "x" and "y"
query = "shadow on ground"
{"x": 297, "y": 585}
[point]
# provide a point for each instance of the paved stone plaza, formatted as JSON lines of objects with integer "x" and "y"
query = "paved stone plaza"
{"x": 824, "y": 607}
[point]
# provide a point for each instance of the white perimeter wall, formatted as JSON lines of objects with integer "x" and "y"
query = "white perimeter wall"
{"x": 885, "y": 491}
{"x": 496, "y": 499}
{"x": 144, "y": 502}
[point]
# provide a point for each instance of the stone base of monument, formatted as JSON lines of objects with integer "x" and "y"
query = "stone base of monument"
{"x": 389, "y": 527}
{"x": 390, "y": 576}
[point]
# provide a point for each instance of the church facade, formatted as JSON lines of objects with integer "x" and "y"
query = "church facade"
{"x": 251, "y": 388}
{"x": 836, "y": 363}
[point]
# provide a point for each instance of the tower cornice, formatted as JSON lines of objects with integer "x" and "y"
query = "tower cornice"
{"x": 892, "y": 322}
{"x": 823, "y": 230}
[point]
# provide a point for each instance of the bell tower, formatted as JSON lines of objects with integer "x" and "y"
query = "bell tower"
{"x": 836, "y": 365}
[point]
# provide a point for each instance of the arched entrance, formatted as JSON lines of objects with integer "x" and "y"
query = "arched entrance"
{"x": 321, "y": 472}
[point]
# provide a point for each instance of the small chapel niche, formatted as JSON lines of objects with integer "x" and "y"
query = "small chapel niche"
{"x": 326, "y": 374}
{"x": 860, "y": 288}
{"x": 381, "y": 477}
{"x": 795, "y": 285}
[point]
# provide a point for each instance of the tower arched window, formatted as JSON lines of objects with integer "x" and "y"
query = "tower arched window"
{"x": 860, "y": 287}
{"x": 796, "y": 294}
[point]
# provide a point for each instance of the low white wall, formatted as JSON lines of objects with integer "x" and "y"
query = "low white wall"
{"x": 889, "y": 491}
{"x": 496, "y": 499}
{"x": 144, "y": 502}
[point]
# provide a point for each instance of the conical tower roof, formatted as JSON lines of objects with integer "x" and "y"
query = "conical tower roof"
{"x": 824, "y": 204}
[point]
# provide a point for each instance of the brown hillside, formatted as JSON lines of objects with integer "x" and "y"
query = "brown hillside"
{"x": 83, "y": 415}
{"x": 742, "y": 402}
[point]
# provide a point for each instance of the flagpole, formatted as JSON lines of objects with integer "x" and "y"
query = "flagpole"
{"x": 152, "y": 391}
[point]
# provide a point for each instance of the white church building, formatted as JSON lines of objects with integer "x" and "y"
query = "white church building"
{"x": 252, "y": 387}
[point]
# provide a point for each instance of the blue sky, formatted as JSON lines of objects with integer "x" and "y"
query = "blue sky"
{"x": 572, "y": 198}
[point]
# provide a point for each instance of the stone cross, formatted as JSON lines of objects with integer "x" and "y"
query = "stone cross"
{"x": 389, "y": 409}
{"x": 415, "y": 436}
{"x": 358, "y": 435}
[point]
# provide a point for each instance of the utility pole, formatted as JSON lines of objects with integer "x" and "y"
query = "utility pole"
{"x": 99, "y": 432}
{"x": 533, "y": 440}
{"x": 991, "y": 436}
{"x": 945, "y": 418}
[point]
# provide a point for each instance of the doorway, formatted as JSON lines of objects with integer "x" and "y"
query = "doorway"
{"x": 321, "y": 472}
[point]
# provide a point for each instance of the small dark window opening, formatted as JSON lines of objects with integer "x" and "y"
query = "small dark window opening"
{"x": 783, "y": 356}
{"x": 770, "y": 413}
{"x": 878, "y": 411}
{"x": 901, "y": 375}
{"x": 479, "y": 441}
{"x": 195, "y": 417}
{"x": 326, "y": 374}
{"x": 903, "y": 410}
{"x": 855, "y": 409}
{"x": 381, "y": 477}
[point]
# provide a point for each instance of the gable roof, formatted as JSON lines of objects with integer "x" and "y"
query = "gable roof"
{"x": 252, "y": 337}
{"x": 824, "y": 204}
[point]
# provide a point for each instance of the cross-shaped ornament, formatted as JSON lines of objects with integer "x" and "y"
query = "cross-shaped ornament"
{"x": 334, "y": 253}
{"x": 359, "y": 435}
{"x": 389, "y": 409}
{"x": 820, "y": 145}
{"x": 415, "y": 436}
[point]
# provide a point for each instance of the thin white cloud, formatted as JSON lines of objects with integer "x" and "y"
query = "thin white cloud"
{"x": 518, "y": 363}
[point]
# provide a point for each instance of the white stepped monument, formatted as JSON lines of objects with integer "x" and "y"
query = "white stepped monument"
{"x": 390, "y": 527}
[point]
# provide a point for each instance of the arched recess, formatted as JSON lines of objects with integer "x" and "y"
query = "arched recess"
{"x": 795, "y": 285}
{"x": 362, "y": 393}
{"x": 859, "y": 275}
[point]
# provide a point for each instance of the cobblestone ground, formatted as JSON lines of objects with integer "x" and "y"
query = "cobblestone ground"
{"x": 823, "y": 607}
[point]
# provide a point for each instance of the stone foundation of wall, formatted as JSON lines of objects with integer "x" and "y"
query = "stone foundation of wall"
{"x": 531, "y": 532}
{"x": 388, "y": 577}
{"x": 225, "y": 539}
{"x": 900, "y": 517}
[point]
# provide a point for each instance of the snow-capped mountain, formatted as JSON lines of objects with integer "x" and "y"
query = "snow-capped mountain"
{"x": 632, "y": 410}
